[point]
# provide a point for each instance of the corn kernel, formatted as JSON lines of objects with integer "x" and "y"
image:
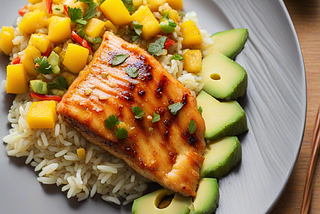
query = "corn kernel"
{"x": 42, "y": 115}
{"x": 6, "y": 37}
{"x": 192, "y": 61}
{"x": 76, "y": 58}
{"x": 81, "y": 153}
{"x": 116, "y": 11}
{"x": 17, "y": 79}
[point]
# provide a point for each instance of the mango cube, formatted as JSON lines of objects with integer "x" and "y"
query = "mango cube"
{"x": 95, "y": 28}
{"x": 191, "y": 34}
{"x": 75, "y": 58}
{"x": 137, "y": 3}
{"x": 30, "y": 54}
{"x": 40, "y": 41}
{"x": 154, "y": 4}
{"x": 17, "y": 79}
{"x": 150, "y": 24}
{"x": 34, "y": 1}
{"x": 32, "y": 21}
{"x": 175, "y": 4}
{"x": 6, "y": 37}
{"x": 192, "y": 61}
{"x": 116, "y": 11}
{"x": 59, "y": 29}
{"x": 42, "y": 115}
{"x": 111, "y": 26}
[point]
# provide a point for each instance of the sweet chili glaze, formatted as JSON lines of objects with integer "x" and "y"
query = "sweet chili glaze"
{"x": 164, "y": 152}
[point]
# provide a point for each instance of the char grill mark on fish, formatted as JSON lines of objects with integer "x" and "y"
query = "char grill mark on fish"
{"x": 163, "y": 151}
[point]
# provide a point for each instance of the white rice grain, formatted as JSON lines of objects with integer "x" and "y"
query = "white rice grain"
{"x": 30, "y": 157}
{"x": 48, "y": 169}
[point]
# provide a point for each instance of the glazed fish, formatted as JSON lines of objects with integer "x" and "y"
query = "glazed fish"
{"x": 123, "y": 82}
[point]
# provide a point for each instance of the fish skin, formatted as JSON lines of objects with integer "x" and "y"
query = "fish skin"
{"x": 164, "y": 152}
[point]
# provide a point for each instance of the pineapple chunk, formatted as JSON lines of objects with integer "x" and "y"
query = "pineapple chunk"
{"x": 111, "y": 26}
{"x": 76, "y": 58}
{"x": 154, "y": 4}
{"x": 42, "y": 115}
{"x": 30, "y": 54}
{"x": 116, "y": 11}
{"x": 175, "y": 4}
{"x": 192, "y": 61}
{"x": 81, "y": 153}
{"x": 59, "y": 29}
{"x": 40, "y": 41}
{"x": 191, "y": 34}
{"x": 32, "y": 21}
{"x": 17, "y": 79}
{"x": 6, "y": 37}
{"x": 150, "y": 24}
{"x": 95, "y": 28}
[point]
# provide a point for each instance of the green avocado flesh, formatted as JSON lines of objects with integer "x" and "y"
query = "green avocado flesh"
{"x": 222, "y": 77}
{"x": 220, "y": 157}
{"x": 229, "y": 42}
{"x": 207, "y": 197}
{"x": 148, "y": 204}
{"x": 221, "y": 118}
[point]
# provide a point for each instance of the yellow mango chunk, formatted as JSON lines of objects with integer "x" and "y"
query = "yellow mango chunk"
{"x": 40, "y": 41}
{"x": 154, "y": 4}
{"x": 69, "y": 77}
{"x": 81, "y": 153}
{"x": 30, "y": 54}
{"x": 111, "y": 26}
{"x": 175, "y": 4}
{"x": 75, "y": 58}
{"x": 17, "y": 79}
{"x": 95, "y": 28}
{"x": 116, "y": 11}
{"x": 32, "y": 21}
{"x": 192, "y": 61}
{"x": 42, "y": 115}
{"x": 191, "y": 34}
{"x": 59, "y": 29}
{"x": 38, "y": 6}
{"x": 137, "y": 3}
{"x": 57, "y": 1}
{"x": 6, "y": 37}
{"x": 150, "y": 24}
{"x": 34, "y": 1}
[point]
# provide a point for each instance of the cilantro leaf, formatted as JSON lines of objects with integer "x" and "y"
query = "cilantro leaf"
{"x": 155, "y": 117}
{"x": 91, "y": 12}
{"x": 97, "y": 40}
{"x": 121, "y": 133}
{"x": 80, "y": 31}
{"x": 129, "y": 5}
{"x": 111, "y": 122}
{"x": 42, "y": 65}
{"x": 61, "y": 83}
{"x": 177, "y": 57}
{"x": 192, "y": 127}
{"x": 76, "y": 15}
{"x": 132, "y": 72}
{"x": 86, "y": 1}
{"x": 157, "y": 47}
{"x": 200, "y": 110}
{"x": 138, "y": 112}
{"x": 119, "y": 59}
{"x": 137, "y": 27}
{"x": 174, "y": 108}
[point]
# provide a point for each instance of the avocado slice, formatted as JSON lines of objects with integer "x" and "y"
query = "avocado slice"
{"x": 220, "y": 157}
{"x": 207, "y": 198}
{"x": 221, "y": 118}
{"x": 222, "y": 77}
{"x": 229, "y": 42}
{"x": 149, "y": 203}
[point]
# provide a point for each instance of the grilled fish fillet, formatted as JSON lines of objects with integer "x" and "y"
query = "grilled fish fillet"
{"x": 164, "y": 151}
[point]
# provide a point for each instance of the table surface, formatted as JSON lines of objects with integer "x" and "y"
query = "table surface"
{"x": 306, "y": 19}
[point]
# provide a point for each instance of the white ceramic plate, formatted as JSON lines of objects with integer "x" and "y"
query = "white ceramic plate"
{"x": 275, "y": 105}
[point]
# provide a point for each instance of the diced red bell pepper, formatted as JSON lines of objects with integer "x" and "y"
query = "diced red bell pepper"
{"x": 168, "y": 43}
{"x": 45, "y": 97}
{"x": 83, "y": 42}
{"x": 65, "y": 11}
{"x": 16, "y": 61}
{"x": 49, "y": 6}
{"x": 47, "y": 53}
{"x": 23, "y": 10}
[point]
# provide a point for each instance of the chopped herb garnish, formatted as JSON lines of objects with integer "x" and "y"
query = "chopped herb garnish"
{"x": 42, "y": 65}
{"x": 101, "y": 1}
{"x": 119, "y": 59}
{"x": 80, "y": 31}
{"x": 174, "y": 108}
{"x": 121, "y": 133}
{"x": 177, "y": 57}
{"x": 132, "y": 72}
{"x": 137, "y": 27}
{"x": 97, "y": 40}
{"x": 167, "y": 26}
{"x": 57, "y": 9}
{"x": 138, "y": 112}
{"x": 192, "y": 127}
{"x": 76, "y": 15}
{"x": 91, "y": 12}
{"x": 157, "y": 47}
{"x": 200, "y": 110}
{"x": 129, "y": 5}
{"x": 111, "y": 122}
{"x": 61, "y": 83}
{"x": 155, "y": 117}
